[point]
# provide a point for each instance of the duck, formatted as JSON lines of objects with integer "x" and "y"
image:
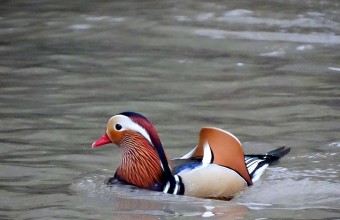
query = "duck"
{"x": 216, "y": 168}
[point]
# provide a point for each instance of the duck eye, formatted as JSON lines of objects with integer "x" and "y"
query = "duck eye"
{"x": 118, "y": 127}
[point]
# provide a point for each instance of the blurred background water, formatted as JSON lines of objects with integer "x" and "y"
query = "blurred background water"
{"x": 267, "y": 71}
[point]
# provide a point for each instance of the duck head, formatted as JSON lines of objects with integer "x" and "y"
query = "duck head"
{"x": 143, "y": 161}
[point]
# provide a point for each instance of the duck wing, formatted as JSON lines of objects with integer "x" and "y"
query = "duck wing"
{"x": 223, "y": 149}
{"x": 257, "y": 163}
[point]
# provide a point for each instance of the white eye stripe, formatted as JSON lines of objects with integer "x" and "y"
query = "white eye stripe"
{"x": 128, "y": 124}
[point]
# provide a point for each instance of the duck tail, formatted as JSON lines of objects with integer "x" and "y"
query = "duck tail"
{"x": 257, "y": 163}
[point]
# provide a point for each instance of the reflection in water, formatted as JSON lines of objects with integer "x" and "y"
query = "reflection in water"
{"x": 128, "y": 208}
{"x": 267, "y": 72}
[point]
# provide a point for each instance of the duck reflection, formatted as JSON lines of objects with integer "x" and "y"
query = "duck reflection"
{"x": 145, "y": 209}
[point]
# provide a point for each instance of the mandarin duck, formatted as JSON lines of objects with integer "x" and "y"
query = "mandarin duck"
{"x": 215, "y": 168}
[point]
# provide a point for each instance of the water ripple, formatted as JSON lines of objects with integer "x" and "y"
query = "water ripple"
{"x": 270, "y": 36}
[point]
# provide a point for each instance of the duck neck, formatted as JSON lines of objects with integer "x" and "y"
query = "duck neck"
{"x": 140, "y": 164}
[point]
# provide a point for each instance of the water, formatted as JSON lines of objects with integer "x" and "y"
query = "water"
{"x": 269, "y": 72}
